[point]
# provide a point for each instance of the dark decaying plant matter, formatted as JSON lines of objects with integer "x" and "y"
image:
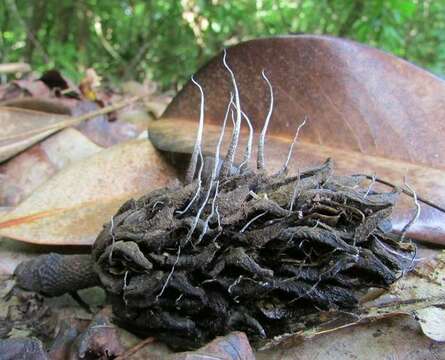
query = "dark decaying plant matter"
{"x": 245, "y": 250}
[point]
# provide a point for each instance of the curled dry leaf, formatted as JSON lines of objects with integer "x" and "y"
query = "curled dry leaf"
{"x": 39, "y": 104}
{"x": 234, "y": 346}
{"x": 23, "y": 128}
{"x": 432, "y": 320}
{"x": 370, "y": 111}
{"x": 71, "y": 207}
{"x": 395, "y": 338}
{"x": 21, "y": 175}
{"x": 99, "y": 341}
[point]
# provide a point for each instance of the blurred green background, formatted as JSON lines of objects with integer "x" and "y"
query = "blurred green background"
{"x": 168, "y": 40}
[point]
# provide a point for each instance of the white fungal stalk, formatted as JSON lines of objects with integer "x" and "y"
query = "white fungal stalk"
{"x": 291, "y": 148}
{"x": 248, "y": 151}
{"x": 198, "y": 143}
{"x": 260, "y": 159}
{"x": 227, "y": 165}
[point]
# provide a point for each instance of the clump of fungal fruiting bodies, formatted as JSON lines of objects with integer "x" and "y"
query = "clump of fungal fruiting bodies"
{"x": 244, "y": 250}
{"x": 236, "y": 249}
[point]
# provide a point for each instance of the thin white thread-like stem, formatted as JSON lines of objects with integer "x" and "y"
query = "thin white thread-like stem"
{"x": 212, "y": 213}
{"x": 113, "y": 240}
{"x": 251, "y": 221}
{"x": 198, "y": 143}
{"x": 294, "y": 193}
{"x": 227, "y": 165}
{"x": 198, "y": 190}
{"x": 221, "y": 136}
{"x": 198, "y": 214}
{"x": 416, "y": 214}
{"x": 170, "y": 273}
{"x": 248, "y": 151}
{"x": 262, "y": 140}
{"x": 291, "y": 148}
{"x": 370, "y": 186}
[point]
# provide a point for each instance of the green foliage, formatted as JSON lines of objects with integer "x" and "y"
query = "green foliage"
{"x": 168, "y": 40}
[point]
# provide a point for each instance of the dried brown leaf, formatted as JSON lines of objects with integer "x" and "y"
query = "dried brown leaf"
{"x": 394, "y": 338}
{"x": 23, "y": 128}
{"x": 39, "y": 104}
{"x": 432, "y": 320}
{"x": 21, "y": 175}
{"x": 370, "y": 111}
{"x": 71, "y": 207}
{"x": 230, "y": 347}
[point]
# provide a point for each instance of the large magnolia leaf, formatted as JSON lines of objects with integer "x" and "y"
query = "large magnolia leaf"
{"x": 71, "y": 207}
{"x": 370, "y": 111}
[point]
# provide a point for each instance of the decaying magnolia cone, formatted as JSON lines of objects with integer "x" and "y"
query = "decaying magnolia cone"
{"x": 236, "y": 250}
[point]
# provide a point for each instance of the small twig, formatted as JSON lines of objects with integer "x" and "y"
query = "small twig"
{"x": 71, "y": 121}
{"x": 406, "y": 192}
{"x": 136, "y": 348}
{"x": 107, "y": 109}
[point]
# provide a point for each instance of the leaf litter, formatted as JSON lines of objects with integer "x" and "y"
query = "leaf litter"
{"x": 364, "y": 220}
{"x": 276, "y": 256}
